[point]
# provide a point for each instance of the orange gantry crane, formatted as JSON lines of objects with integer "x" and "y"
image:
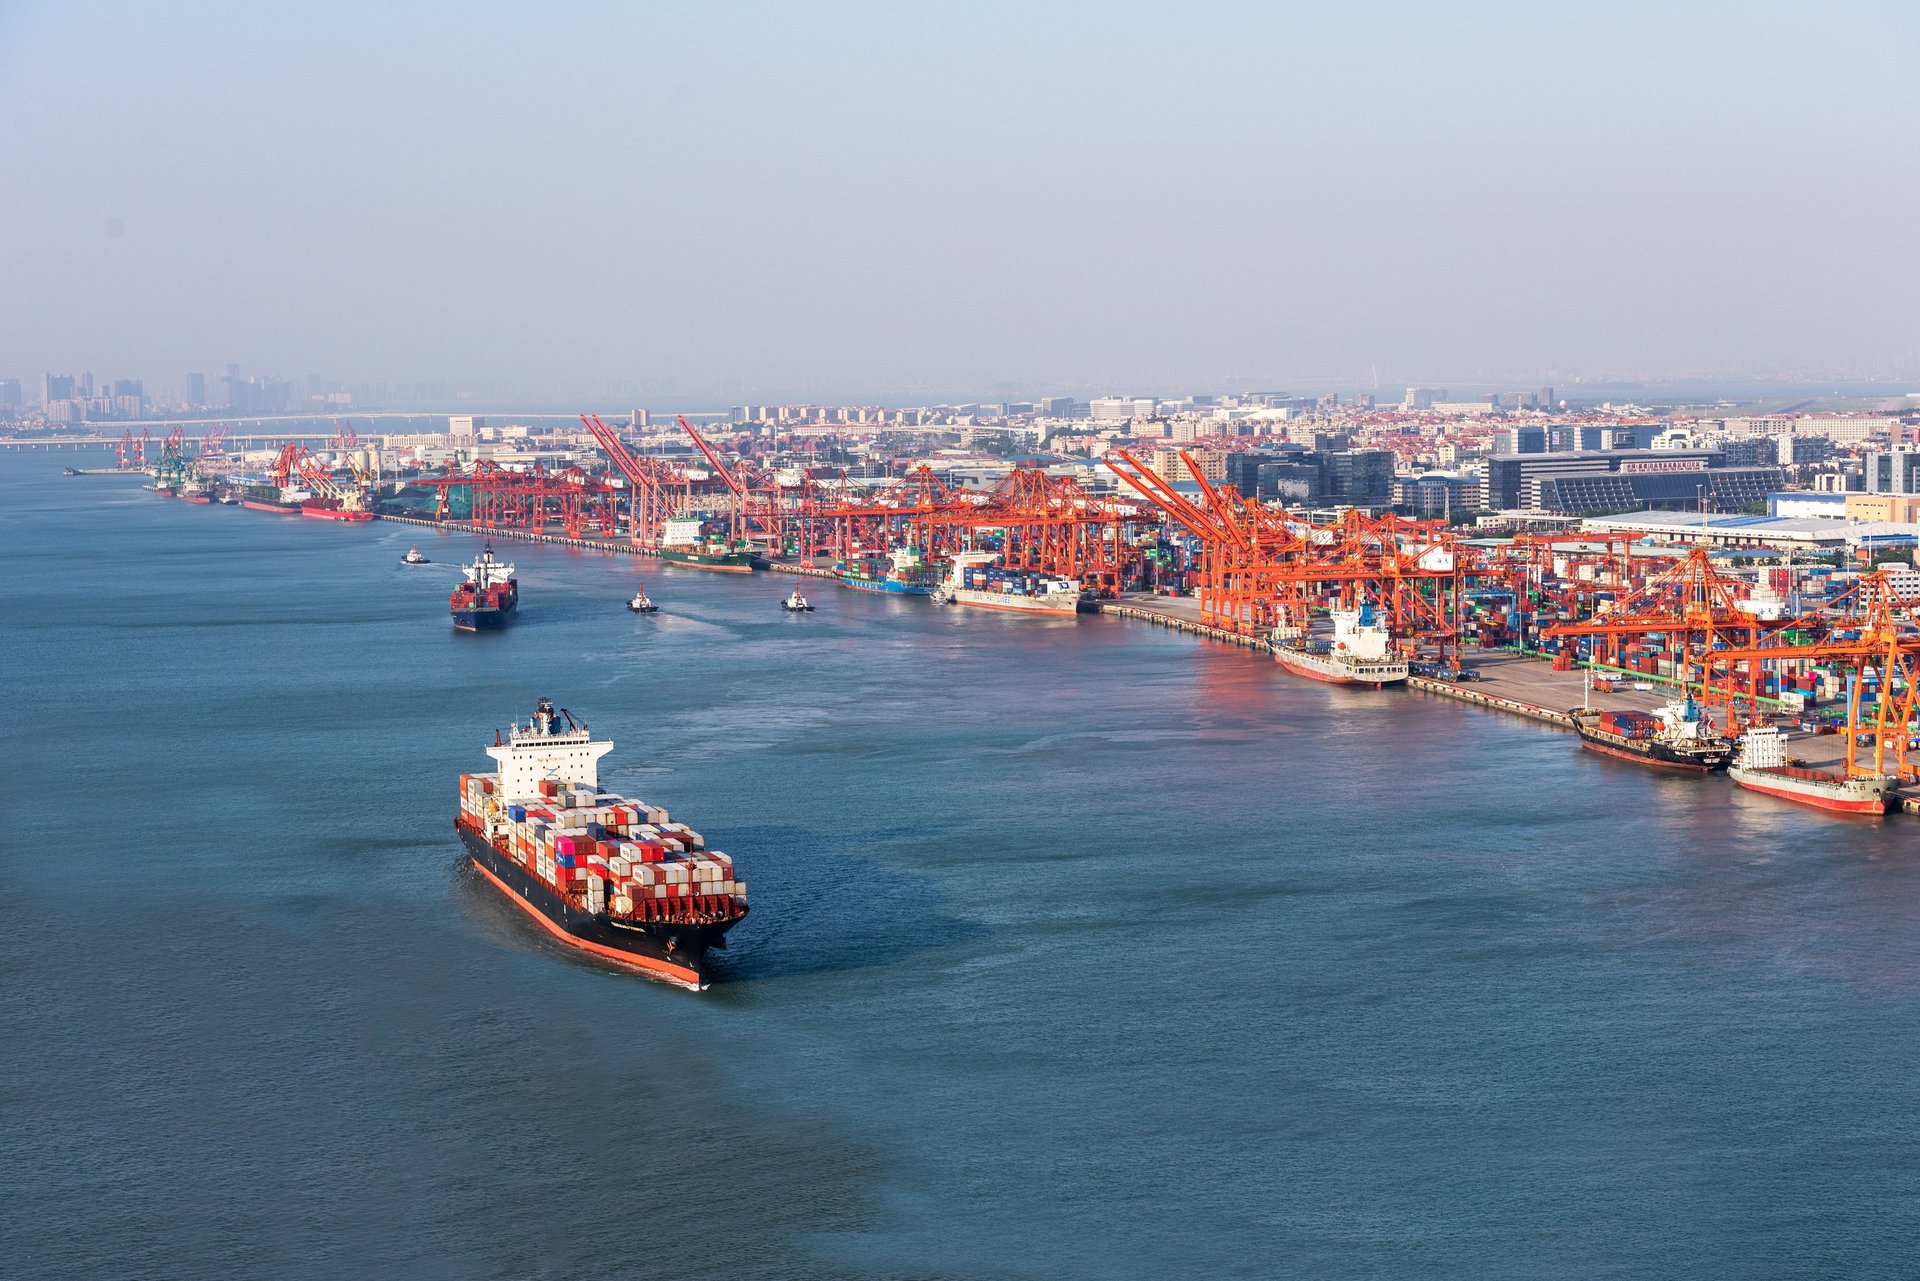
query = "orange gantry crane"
{"x": 657, "y": 491}
{"x": 1263, "y": 569}
{"x": 531, "y": 499}
{"x": 1877, "y": 651}
{"x": 1690, "y": 605}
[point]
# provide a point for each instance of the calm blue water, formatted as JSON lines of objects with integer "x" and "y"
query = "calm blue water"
{"x": 1079, "y": 949}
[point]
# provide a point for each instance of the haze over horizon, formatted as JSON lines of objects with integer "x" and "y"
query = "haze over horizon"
{"x": 856, "y": 200}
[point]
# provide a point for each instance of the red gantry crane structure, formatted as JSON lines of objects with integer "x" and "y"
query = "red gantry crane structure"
{"x": 1263, "y": 570}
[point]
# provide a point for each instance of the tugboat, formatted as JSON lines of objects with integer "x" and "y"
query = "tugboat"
{"x": 796, "y": 603}
{"x": 640, "y": 604}
{"x": 487, "y": 600}
{"x": 413, "y": 557}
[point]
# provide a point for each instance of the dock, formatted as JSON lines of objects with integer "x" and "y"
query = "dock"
{"x": 1517, "y": 683}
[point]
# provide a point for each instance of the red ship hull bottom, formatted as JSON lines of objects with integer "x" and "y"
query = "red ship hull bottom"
{"x": 670, "y": 950}
{"x": 1325, "y": 679}
{"x": 680, "y": 975}
{"x": 1832, "y": 805}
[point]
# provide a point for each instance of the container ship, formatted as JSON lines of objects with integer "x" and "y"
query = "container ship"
{"x": 1360, "y": 653}
{"x": 486, "y": 601}
{"x": 977, "y": 579}
{"x": 599, "y": 872}
{"x": 1763, "y": 766}
{"x": 904, "y": 573}
{"x": 683, "y": 541}
{"x": 1675, "y": 736}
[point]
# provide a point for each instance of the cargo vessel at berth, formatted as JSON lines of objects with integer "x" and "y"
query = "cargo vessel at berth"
{"x": 272, "y": 498}
{"x": 1762, "y": 765}
{"x": 977, "y": 579}
{"x": 196, "y": 491}
{"x": 1360, "y": 652}
{"x": 683, "y": 541}
{"x": 486, "y": 601}
{"x": 610, "y": 876}
{"x": 1673, "y": 736}
{"x": 333, "y": 509}
{"x": 904, "y": 573}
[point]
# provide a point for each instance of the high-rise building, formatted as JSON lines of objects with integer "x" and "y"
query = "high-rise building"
{"x": 1893, "y": 471}
{"x": 1422, "y": 397}
{"x": 637, "y": 419}
{"x": 1111, "y": 409}
{"x": 196, "y": 389}
{"x": 55, "y": 387}
{"x": 1357, "y": 477}
{"x": 9, "y": 393}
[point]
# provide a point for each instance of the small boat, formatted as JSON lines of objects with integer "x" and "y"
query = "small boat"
{"x": 640, "y": 604}
{"x": 413, "y": 557}
{"x": 796, "y": 603}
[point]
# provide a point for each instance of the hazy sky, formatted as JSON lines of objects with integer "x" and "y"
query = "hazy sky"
{"x": 868, "y": 200}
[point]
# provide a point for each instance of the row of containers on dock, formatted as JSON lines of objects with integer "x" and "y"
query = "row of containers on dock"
{"x": 618, "y": 855}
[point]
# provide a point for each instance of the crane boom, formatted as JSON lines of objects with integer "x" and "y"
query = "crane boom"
{"x": 712, "y": 458}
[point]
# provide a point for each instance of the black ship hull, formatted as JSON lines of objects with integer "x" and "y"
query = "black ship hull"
{"x": 673, "y": 953}
{"x": 1652, "y": 752}
{"x": 482, "y": 619}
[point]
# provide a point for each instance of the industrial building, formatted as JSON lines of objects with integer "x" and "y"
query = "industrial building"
{"x": 1625, "y": 480}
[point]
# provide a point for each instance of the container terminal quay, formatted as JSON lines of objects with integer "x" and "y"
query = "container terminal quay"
{"x": 1730, "y": 624}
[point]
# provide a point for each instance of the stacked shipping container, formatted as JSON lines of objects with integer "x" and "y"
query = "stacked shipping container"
{"x": 618, "y": 856}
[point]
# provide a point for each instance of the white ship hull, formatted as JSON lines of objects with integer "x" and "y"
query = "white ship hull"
{"x": 1342, "y": 669}
{"x": 1058, "y": 604}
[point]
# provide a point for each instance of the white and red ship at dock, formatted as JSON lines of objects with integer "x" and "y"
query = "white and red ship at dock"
{"x": 1360, "y": 652}
{"x": 609, "y": 876}
{"x": 1762, "y": 766}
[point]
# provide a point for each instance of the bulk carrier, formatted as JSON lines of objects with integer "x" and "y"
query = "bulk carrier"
{"x": 977, "y": 579}
{"x": 1763, "y": 766}
{"x": 601, "y": 873}
{"x": 339, "y": 509}
{"x": 487, "y": 600}
{"x": 684, "y": 541}
{"x": 1360, "y": 653}
{"x": 273, "y": 498}
{"x": 1674, "y": 736}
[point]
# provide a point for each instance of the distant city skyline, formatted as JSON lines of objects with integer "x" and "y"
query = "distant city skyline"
{"x": 856, "y": 203}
